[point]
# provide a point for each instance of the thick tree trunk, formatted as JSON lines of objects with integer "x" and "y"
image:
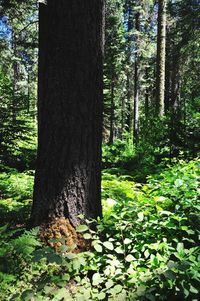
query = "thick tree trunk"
{"x": 67, "y": 180}
{"x": 161, "y": 45}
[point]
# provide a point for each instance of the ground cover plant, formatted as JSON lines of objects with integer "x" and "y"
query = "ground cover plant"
{"x": 145, "y": 248}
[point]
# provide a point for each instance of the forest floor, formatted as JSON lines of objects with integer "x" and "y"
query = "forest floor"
{"x": 145, "y": 248}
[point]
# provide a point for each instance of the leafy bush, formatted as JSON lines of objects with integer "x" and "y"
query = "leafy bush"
{"x": 118, "y": 152}
{"x": 145, "y": 248}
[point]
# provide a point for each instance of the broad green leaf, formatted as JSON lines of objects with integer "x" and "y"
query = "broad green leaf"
{"x": 170, "y": 274}
{"x": 108, "y": 245}
{"x": 117, "y": 288}
{"x": 193, "y": 290}
{"x": 98, "y": 248}
{"x": 97, "y": 279}
{"x": 82, "y": 228}
{"x": 146, "y": 253}
{"x": 127, "y": 241}
{"x": 109, "y": 283}
{"x": 140, "y": 216}
{"x": 129, "y": 258}
{"x": 119, "y": 250}
{"x": 87, "y": 236}
{"x": 101, "y": 296}
{"x": 178, "y": 183}
{"x": 60, "y": 294}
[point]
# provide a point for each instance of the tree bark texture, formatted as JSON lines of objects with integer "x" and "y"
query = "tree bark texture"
{"x": 67, "y": 180}
{"x": 161, "y": 52}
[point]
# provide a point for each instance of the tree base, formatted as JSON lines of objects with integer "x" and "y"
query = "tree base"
{"x": 62, "y": 236}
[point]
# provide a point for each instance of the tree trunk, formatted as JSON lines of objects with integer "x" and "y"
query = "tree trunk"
{"x": 129, "y": 117}
{"x": 161, "y": 45}
{"x": 146, "y": 94}
{"x": 136, "y": 84}
{"x": 67, "y": 180}
{"x": 168, "y": 69}
{"x": 15, "y": 78}
{"x": 28, "y": 93}
{"x": 112, "y": 113}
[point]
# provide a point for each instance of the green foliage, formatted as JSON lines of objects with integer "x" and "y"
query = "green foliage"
{"x": 16, "y": 194}
{"x": 145, "y": 248}
{"x": 119, "y": 152}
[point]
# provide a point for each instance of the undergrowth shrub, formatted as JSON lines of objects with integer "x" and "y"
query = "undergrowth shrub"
{"x": 145, "y": 248}
{"x": 15, "y": 195}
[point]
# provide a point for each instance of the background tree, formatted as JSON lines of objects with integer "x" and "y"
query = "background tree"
{"x": 161, "y": 49}
{"x": 18, "y": 48}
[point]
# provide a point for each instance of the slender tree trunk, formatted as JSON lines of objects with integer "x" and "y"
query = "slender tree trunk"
{"x": 168, "y": 70}
{"x": 123, "y": 107}
{"x": 161, "y": 45}
{"x": 112, "y": 113}
{"x": 28, "y": 93}
{"x": 175, "y": 104}
{"x": 67, "y": 180}
{"x": 129, "y": 117}
{"x": 136, "y": 85}
{"x": 15, "y": 77}
{"x": 146, "y": 94}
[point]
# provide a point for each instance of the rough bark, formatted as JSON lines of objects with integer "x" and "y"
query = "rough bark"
{"x": 67, "y": 180}
{"x": 161, "y": 51}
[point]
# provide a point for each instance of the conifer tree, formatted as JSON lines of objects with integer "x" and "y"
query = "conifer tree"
{"x": 67, "y": 180}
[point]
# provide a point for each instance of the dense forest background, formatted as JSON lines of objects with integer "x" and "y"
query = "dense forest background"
{"x": 133, "y": 128}
{"x": 146, "y": 246}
